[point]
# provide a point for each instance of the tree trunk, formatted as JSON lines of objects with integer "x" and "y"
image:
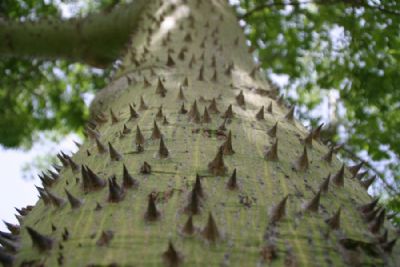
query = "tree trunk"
{"x": 199, "y": 108}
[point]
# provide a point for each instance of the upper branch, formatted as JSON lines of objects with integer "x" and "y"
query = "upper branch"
{"x": 96, "y": 39}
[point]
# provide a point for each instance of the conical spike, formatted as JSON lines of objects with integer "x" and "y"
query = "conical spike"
{"x": 201, "y": 74}
{"x": 92, "y": 134}
{"x": 334, "y": 221}
{"x": 115, "y": 192}
{"x": 181, "y": 96}
{"x": 125, "y": 130}
{"x": 214, "y": 78}
{"x": 271, "y": 154}
{"x": 313, "y": 204}
{"x": 370, "y": 216}
{"x": 338, "y": 178}
{"x": 9, "y": 245}
{"x": 146, "y": 82}
{"x": 170, "y": 61}
{"x": 95, "y": 181}
{"x": 325, "y": 184}
{"x": 42, "y": 242}
{"x": 369, "y": 206}
{"x": 367, "y": 183}
{"x": 269, "y": 108}
{"x": 193, "y": 206}
{"x": 355, "y": 168}
{"x": 301, "y": 164}
{"x": 308, "y": 139}
{"x": 156, "y": 134}
{"x": 165, "y": 121}
{"x": 133, "y": 113}
{"x": 74, "y": 167}
{"x": 100, "y": 147}
{"x": 317, "y": 132}
{"x": 143, "y": 105}
{"x": 212, "y": 108}
{"x": 163, "y": 151}
{"x": 105, "y": 238}
{"x": 227, "y": 145}
{"x": 183, "y": 110}
{"x": 378, "y": 222}
{"x": 217, "y": 166}
{"x": 114, "y": 155}
{"x": 63, "y": 160}
{"x": 280, "y": 100}
{"x": 210, "y": 231}
{"x": 240, "y": 99}
{"x": 159, "y": 114}
{"x": 222, "y": 126}
{"x": 290, "y": 115}
{"x": 73, "y": 201}
{"x": 114, "y": 118}
{"x": 328, "y": 156}
{"x": 278, "y": 211}
{"x": 260, "y": 114}
{"x": 171, "y": 257}
{"x": 55, "y": 200}
{"x": 13, "y": 228}
{"x": 361, "y": 175}
{"x": 43, "y": 196}
{"x": 152, "y": 214}
{"x": 188, "y": 228}
{"x": 128, "y": 181}
{"x": 272, "y": 132}
{"x": 228, "y": 114}
{"x": 232, "y": 182}
{"x": 193, "y": 109}
{"x": 6, "y": 259}
{"x": 160, "y": 90}
{"x": 46, "y": 180}
{"x": 139, "y": 140}
{"x": 145, "y": 168}
{"x": 197, "y": 187}
{"x": 206, "y": 117}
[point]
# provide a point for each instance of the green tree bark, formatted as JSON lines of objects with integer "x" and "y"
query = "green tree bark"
{"x": 189, "y": 101}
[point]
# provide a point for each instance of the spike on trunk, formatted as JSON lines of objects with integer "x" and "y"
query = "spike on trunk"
{"x": 212, "y": 108}
{"x": 41, "y": 242}
{"x": 206, "y": 117}
{"x": 100, "y": 147}
{"x": 156, "y": 134}
{"x": 272, "y": 132}
{"x": 73, "y": 201}
{"x": 334, "y": 221}
{"x": 171, "y": 257}
{"x": 114, "y": 154}
{"x": 217, "y": 166}
{"x": 338, "y": 178}
{"x": 193, "y": 207}
{"x": 260, "y": 114}
{"x": 152, "y": 214}
{"x": 133, "y": 113}
{"x": 188, "y": 229}
{"x": 271, "y": 154}
{"x": 210, "y": 232}
{"x": 232, "y": 182}
{"x": 325, "y": 184}
{"x": 163, "y": 151}
{"x": 227, "y": 145}
{"x": 367, "y": 183}
{"x": 228, "y": 114}
{"x": 301, "y": 164}
{"x": 145, "y": 168}
{"x": 240, "y": 99}
{"x": 313, "y": 204}
{"x": 278, "y": 211}
{"x": 115, "y": 192}
{"x": 127, "y": 180}
{"x": 290, "y": 115}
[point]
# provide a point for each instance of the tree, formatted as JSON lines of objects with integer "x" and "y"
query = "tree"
{"x": 191, "y": 156}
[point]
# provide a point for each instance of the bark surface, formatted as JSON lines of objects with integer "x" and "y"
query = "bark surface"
{"x": 200, "y": 196}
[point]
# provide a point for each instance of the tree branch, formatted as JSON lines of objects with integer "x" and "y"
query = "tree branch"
{"x": 96, "y": 39}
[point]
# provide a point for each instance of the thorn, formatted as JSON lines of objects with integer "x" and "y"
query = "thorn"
{"x": 328, "y": 156}
{"x": 139, "y": 140}
{"x": 212, "y": 108}
{"x": 290, "y": 115}
{"x": 13, "y": 228}
{"x": 6, "y": 259}
{"x": 279, "y": 210}
{"x": 253, "y": 72}
{"x": 145, "y": 168}
{"x": 143, "y": 105}
{"x": 133, "y": 113}
{"x": 94, "y": 181}
{"x": 193, "y": 110}
{"x": 228, "y": 113}
{"x": 197, "y": 187}
{"x": 378, "y": 222}
{"x": 92, "y": 134}
{"x": 210, "y": 231}
{"x": 74, "y": 167}
{"x": 388, "y": 246}
{"x": 114, "y": 118}
{"x": 260, "y": 114}
{"x": 152, "y": 214}
{"x": 54, "y": 199}
{"x": 201, "y": 75}
{"x": 217, "y": 166}
{"x": 9, "y": 245}
{"x": 181, "y": 96}
{"x": 272, "y": 132}
{"x": 206, "y": 117}
{"x": 73, "y": 201}
{"x": 42, "y": 242}
{"x": 338, "y": 178}
{"x": 222, "y": 126}
{"x": 100, "y": 147}
{"x": 361, "y": 175}
{"x": 272, "y": 153}
{"x": 43, "y": 195}
{"x": 355, "y": 168}
{"x": 165, "y": 121}
{"x": 317, "y": 132}
{"x": 369, "y": 206}
{"x": 64, "y": 161}
{"x": 193, "y": 206}
{"x": 370, "y": 216}
{"x": 46, "y": 180}
{"x": 214, "y": 78}
{"x": 240, "y": 99}
{"x": 185, "y": 82}
{"x": 159, "y": 114}
{"x": 183, "y": 110}
{"x": 171, "y": 257}
{"x": 160, "y": 90}
{"x": 269, "y": 108}
{"x": 170, "y": 61}
{"x": 146, "y": 83}
{"x": 227, "y": 145}
{"x": 128, "y": 181}
{"x": 125, "y": 130}
{"x": 301, "y": 164}
{"x": 367, "y": 183}
{"x": 325, "y": 184}
{"x": 232, "y": 183}
{"x": 308, "y": 139}
{"x": 105, "y": 238}
{"x": 115, "y": 192}
{"x": 280, "y": 100}
{"x": 188, "y": 228}
{"x": 334, "y": 221}
{"x": 156, "y": 134}
{"x": 162, "y": 151}
{"x": 313, "y": 204}
{"x": 114, "y": 155}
